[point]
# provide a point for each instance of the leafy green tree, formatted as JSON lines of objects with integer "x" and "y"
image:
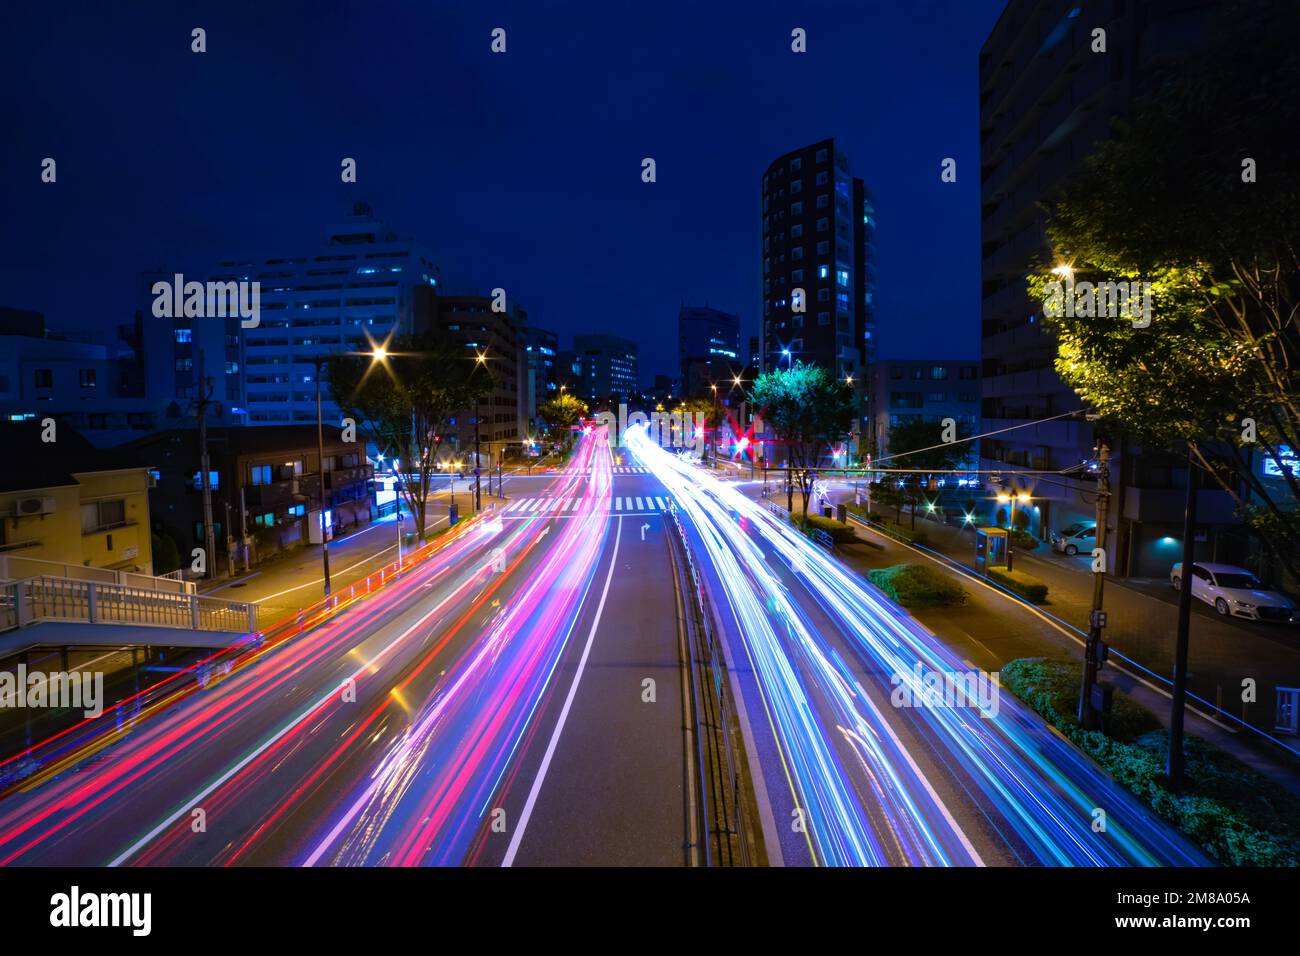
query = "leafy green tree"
{"x": 405, "y": 401}
{"x": 808, "y": 409}
{"x": 1199, "y": 195}
{"x": 561, "y": 414}
{"x": 919, "y": 444}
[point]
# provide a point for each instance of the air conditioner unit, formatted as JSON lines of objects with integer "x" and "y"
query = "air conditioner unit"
{"x": 25, "y": 507}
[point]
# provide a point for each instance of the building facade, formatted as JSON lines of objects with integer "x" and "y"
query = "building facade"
{"x": 265, "y": 486}
{"x": 72, "y": 503}
{"x": 606, "y": 366}
{"x": 541, "y": 349}
{"x": 708, "y": 347}
{"x": 907, "y": 390}
{"x": 470, "y": 322}
{"x": 362, "y": 284}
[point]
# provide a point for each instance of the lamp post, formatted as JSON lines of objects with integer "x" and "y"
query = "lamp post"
{"x": 713, "y": 438}
{"x": 480, "y": 359}
{"x": 319, "y": 361}
{"x": 1024, "y": 498}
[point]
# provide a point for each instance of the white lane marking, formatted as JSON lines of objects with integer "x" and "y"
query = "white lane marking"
{"x": 661, "y": 503}
{"x": 518, "y": 836}
{"x": 618, "y": 504}
{"x": 639, "y": 505}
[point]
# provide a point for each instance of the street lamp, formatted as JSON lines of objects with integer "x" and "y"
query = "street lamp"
{"x": 1024, "y": 498}
{"x": 480, "y": 359}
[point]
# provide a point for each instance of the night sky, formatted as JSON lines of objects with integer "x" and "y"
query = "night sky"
{"x": 519, "y": 170}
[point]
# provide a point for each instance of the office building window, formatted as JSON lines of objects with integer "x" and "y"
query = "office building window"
{"x": 86, "y": 377}
{"x": 44, "y": 377}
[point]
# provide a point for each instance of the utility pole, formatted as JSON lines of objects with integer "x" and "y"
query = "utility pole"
{"x": 202, "y": 404}
{"x": 319, "y": 362}
{"x": 230, "y": 543}
{"x": 243, "y": 526}
{"x": 1092, "y": 651}
{"x": 478, "y": 476}
{"x": 1175, "y": 765}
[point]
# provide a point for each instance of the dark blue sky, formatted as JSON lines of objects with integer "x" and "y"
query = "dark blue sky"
{"x": 519, "y": 170}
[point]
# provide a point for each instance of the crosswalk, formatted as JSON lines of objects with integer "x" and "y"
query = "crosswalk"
{"x": 629, "y": 504}
{"x": 616, "y": 469}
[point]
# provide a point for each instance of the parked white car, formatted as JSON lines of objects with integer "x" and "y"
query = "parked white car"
{"x": 1235, "y": 591}
{"x": 1080, "y": 536}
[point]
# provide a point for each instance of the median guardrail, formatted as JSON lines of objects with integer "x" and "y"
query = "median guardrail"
{"x": 721, "y": 809}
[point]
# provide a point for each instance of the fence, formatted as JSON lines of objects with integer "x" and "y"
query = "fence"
{"x": 46, "y": 598}
{"x": 16, "y": 567}
{"x": 120, "y": 718}
{"x": 716, "y": 718}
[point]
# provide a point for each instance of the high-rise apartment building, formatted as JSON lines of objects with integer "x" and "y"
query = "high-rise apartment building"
{"x": 818, "y": 264}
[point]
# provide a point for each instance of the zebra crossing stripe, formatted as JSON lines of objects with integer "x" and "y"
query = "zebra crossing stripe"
{"x": 660, "y": 503}
{"x": 638, "y": 504}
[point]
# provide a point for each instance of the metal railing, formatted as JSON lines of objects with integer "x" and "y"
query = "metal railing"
{"x": 722, "y": 803}
{"x": 48, "y": 598}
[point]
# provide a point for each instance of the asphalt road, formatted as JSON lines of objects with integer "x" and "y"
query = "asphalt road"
{"x": 854, "y": 774}
{"x": 487, "y": 707}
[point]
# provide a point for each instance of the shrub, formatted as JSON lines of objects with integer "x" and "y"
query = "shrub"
{"x": 1023, "y": 540}
{"x": 840, "y": 532}
{"x": 916, "y": 585}
{"x": 166, "y": 556}
{"x": 1239, "y": 817}
{"x": 1026, "y": 585}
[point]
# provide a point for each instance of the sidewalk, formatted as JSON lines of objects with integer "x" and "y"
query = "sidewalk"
{"x": 994, "y": 628}
{"x": 294, "y": 579}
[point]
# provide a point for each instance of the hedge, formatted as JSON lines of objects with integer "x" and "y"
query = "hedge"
{"x": 1238, "y": 816}
{"x": 915, "y": 585}
{"x": 840, "y": 532}
{"x": 1026, "y": 585}
{"x": 1023, "y": 540}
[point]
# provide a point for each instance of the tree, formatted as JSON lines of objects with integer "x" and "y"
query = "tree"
{"x": 562, "y": 413}
{"x": 809, "y": 410}
{"x": 1198, "y": 194}
{"x": 919, "y": 444}
{"x": 413, "y": 391}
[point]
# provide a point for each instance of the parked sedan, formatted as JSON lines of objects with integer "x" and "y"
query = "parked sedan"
{"x": 1080, "y": 536}
{"x": 1235, "y": 591}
